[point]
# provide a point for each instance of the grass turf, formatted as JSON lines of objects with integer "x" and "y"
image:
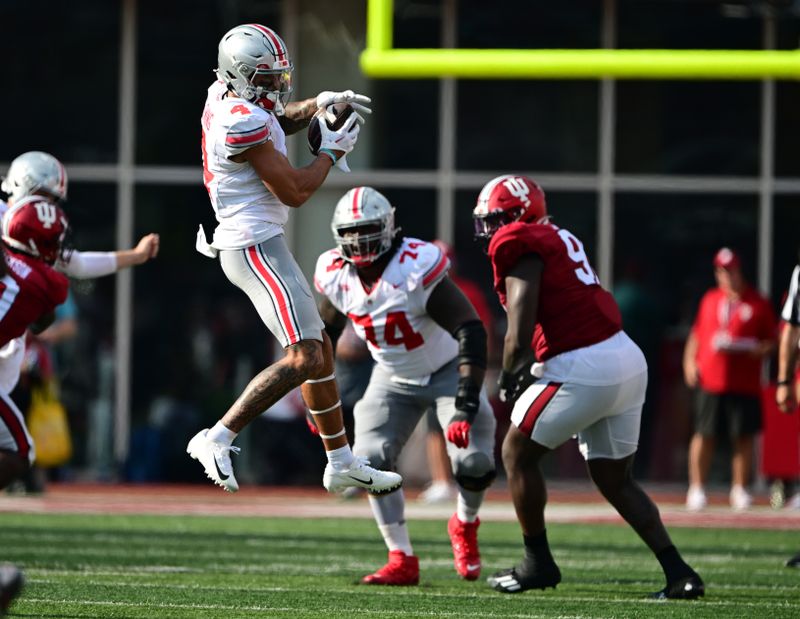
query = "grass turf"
{"x": 191, "y": 566}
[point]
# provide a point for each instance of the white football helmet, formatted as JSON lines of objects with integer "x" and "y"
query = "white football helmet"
{"x": 254, "y": 63}
{"x": 363, "y": 225}
{"x": 33, "y": 173}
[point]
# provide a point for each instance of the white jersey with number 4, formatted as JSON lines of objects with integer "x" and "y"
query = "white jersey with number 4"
{"x": 248, "y": 213}
{"x": 391, "y": 316}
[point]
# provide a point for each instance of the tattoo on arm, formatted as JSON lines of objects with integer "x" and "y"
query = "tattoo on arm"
{"x": 297, "y": 115}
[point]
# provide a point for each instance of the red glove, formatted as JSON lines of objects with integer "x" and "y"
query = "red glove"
{"x": 458, "y": 433}
{"x": 311, "y": 425}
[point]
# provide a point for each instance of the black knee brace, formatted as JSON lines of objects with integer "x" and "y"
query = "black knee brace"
{"x": 475, "y": 473}
{"x": 476, "y": 484}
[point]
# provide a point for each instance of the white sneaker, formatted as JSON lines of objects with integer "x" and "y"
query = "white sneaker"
{"x": 438, "y": 492}
{"x": 793, "y": 502}
{"x": 696, "y": 499}
{"x": 215, "y": 458}
{"x": 360, "y": 475}
{"x": 740, "y": 498}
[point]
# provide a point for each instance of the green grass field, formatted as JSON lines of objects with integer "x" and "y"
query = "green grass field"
{"x": 189, "y": 566}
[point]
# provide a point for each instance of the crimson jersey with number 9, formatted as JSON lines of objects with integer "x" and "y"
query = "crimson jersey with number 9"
{"x": 574, "y": 309}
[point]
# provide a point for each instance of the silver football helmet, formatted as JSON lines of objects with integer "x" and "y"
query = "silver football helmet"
{"x": 33, "y": 173}
{"x": 363, "y": 225}
{"x": 254, "y": 63}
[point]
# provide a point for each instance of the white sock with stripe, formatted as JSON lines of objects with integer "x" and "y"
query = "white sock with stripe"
{"x": 221, "y": 434}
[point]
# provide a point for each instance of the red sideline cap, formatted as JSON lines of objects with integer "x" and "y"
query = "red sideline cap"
{"x": 726, "y": 259}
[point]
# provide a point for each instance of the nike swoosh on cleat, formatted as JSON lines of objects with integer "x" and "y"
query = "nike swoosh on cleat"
{"x": 222, "y": 476}
{"x": 363, "y": 481}
{"x": 473, "y": 567}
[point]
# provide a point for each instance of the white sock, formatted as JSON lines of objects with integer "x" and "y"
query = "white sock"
{"x": 468, "y": 504}
{"x": 340, "y": 458}
{"x": 221, "y": 434}
{"x": 396, "y": 537}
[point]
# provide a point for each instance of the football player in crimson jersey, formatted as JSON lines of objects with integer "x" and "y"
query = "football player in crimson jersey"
{"x": 430, "y": 351}
{"x": 30, "y": 289}
{"x": 589, "y": 379}
{"x": 252, "y": 187}
{"x": 36, "y": 173}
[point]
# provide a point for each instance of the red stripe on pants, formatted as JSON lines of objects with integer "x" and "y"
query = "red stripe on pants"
{"x": 537, "y": 406}
{"x": 281, "y": 299}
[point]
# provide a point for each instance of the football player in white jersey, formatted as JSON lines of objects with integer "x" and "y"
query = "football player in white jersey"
{"x": 36, "y": 173}
{"x": 430, "y": 351}
{"x": 252, "y": 186}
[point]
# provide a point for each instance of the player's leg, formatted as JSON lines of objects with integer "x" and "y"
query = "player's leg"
{"x": 540, "y": 422}
{"x": 473, "y": 468}
{"x": 744, "y": 422}
{"x": 384, "y": 420}
{"x": 269, "y": 276}
{"x": 609, "y": 446}
{"x": 16, "y": 445}
{"x": 321, "y": 395}
{"x": 701, "y": 447}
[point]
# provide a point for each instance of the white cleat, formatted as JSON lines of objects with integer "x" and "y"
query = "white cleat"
{"x": 361, "y": 475}
{"x": 215, "y": 458}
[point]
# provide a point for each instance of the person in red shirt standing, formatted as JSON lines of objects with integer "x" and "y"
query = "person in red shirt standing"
{"x": 589, "y": 379}
{"x": 732, "y": 333}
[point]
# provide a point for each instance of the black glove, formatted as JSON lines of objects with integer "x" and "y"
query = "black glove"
{"x": 513, "y": 383}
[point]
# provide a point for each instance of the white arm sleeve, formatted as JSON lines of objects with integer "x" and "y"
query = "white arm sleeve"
{"x": 89, "y": 264}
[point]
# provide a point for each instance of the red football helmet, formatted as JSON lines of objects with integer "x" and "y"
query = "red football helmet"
{"x": 506, "y": 199}
{"x": 36, "y": 227}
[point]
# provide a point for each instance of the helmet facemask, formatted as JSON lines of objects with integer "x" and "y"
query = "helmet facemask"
{"x": 363, "y": 243}
{"x": 271, "y": 88}
{"x": 486, "y": 225}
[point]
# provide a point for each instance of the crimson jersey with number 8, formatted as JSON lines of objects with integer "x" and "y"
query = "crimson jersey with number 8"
{"x": 391, "y": 316}
{"x": 574, "y": 309}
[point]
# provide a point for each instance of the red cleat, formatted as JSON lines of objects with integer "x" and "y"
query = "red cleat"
{"x": 402, "y": 570}
{"x": 464, "y": 539}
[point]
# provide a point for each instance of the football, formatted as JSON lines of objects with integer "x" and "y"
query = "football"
{"x": 334, "y": 116}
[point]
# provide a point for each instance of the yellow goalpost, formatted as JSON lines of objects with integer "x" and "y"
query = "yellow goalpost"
{"x": 380, "y": 59}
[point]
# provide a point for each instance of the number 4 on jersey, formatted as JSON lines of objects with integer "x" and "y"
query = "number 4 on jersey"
{"x": 397, "y": 330}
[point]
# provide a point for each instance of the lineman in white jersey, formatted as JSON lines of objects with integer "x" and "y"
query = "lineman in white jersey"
{"x": 430, "y": 351}
{"x": 252, "y": 186}
{"x": 38, "y": 173}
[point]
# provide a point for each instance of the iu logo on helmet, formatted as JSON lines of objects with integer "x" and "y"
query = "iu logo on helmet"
{"x": 46, "y": 213}
{"x": 519, "y": 189}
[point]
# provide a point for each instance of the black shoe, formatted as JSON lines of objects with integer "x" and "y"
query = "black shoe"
{"x": 794, "y": 561}
{"x": 512, "y": 581}
{"x": 11, "y": 581}
{"x": 687, "y": 588}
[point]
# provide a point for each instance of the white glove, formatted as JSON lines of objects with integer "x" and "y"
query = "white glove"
{"x": 328, "y": 97}
{"x": 343, "y": 139}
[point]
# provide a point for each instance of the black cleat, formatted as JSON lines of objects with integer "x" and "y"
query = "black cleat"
{"x": 794, "y": 561}
{"x": 512, "y": 581}
{"x": 687, "y": 588}
{"x": 11, "y": 581}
